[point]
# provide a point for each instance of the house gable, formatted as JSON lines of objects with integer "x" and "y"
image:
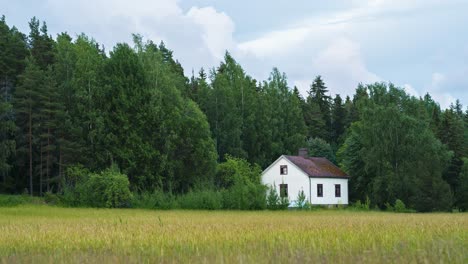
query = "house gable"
{"x": 286, "y": 160}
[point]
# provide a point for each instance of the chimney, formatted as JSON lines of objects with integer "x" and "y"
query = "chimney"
{"x": 303, "y": 152}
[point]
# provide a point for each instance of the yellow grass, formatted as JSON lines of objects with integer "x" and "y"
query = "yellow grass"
{"x": 50, "y": 234}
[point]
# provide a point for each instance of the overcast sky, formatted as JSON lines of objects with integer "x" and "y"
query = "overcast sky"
{"x": 421, "y": 45}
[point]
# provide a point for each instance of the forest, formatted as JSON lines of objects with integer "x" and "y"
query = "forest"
{"x": 74, "y": 117}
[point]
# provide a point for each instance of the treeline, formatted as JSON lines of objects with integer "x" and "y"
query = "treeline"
{"x": 66, "y": 101}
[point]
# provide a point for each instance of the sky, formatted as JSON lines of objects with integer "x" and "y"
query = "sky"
{"x": 420, "y": 45}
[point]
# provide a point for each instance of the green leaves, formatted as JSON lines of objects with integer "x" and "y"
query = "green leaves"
{"x": 392, "y": 154}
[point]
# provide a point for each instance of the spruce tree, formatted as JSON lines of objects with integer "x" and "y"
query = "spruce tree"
{"x": 338, "y": 119}
{"x": 319, "y": 107}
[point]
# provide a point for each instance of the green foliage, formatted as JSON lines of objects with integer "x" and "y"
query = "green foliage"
{"x": 391, "y": 152}
{"x": 358, "y": 205}
{"x": 241, "y": 182}
{"x": 201, "y": 200}
{"x": 320, "y": 148}
{"x": 462, "y": 194}
{"x": 51, "y": 198}
{"x": 399, "y": 207}
{"x": 236, "y": 170}
{"x": 318, "y": 110}
{"x": 301, "y": 201}
{"x": 108, "y": 188}
{"x": 15, "y": 200}
{"x": 272, "y": 199}
{"x": 154, "y": 200}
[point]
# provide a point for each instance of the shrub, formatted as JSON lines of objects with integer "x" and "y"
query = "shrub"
{"x": 358, "y": 205}
{"x": 399, "y": 207}
{"x": 15, "y": 200}
{"x": 301, "y": 201}
{"x": 109, "y": 188}
{"x": 51, "y": 198}
{"x": 245, "y": 196}
{"x": 284, "y": 203}
{"x": 205, "y": 200}
{"x": 272, "y": 199}
{"x": 154, "y": 200}
{"x": 240, "y": 181}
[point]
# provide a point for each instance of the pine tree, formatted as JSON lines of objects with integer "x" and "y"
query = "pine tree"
{"x": 26, "y": 100}
{"x": 12, "y": 53}
{"x": 41, "y": 44}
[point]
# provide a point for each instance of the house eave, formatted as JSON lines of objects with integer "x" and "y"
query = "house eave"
{"x": 330, "y": 177}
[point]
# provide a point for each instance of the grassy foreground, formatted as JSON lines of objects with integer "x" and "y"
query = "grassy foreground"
{"x": 35, "y": 233}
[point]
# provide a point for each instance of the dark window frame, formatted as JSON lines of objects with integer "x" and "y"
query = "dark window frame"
{"x": 283, "y": 169}
{"x": 319, "y": 190}
{"x": 283, "y": 190}
{"x": 337, "y": 190}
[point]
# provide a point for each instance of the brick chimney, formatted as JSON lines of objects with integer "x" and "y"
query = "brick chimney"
{"x": 303, "y": 152}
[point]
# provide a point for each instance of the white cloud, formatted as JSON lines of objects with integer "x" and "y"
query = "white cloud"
{"x": 218, "y": 29}
{"x": 410, "y": 90}
{"x": 198, "y": 37}
{"x": 276, "y": 42}
{"x": 437, "y": 91}
{"x": 343, "y": 67}
{"x": 437, "y": 79}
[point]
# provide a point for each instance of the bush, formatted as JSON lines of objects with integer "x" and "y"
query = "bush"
{"x": 155, "y": 200}
{"x": 109, "y": 188}
{"x": 399, "y": 207}
{"x": 246, "y": 196}
{"x": 358, "y": 205}
{"x": 240, "y": 181}
{"x": 51, "y": 198}
{"x": 272, "y": 199}
{"x": 301, "y": 201}
{"x": 15, "y": 200}
{"x": 204, "y": 200}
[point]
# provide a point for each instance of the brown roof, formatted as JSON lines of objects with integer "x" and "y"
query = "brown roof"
{"x": 317, "y": 167}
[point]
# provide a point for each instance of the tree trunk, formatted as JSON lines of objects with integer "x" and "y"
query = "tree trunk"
{"x": 60, "y": 170}
{"x": 47, "y": 160}
{"x": 30, "y": 154}
{"x": 40, "y": 172}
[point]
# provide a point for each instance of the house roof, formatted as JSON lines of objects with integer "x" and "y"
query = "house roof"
{"x": 317, "y": 167}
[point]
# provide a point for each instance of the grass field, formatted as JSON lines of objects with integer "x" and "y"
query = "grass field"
{"x": 39, "y": 233}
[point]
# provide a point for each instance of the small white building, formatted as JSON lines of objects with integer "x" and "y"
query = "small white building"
{"x": 322, "y": 182}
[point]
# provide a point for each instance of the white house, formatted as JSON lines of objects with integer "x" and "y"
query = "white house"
{"x": 323, "y": 183}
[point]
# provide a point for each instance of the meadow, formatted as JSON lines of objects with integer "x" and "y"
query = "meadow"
{"x": 41, "y": 233}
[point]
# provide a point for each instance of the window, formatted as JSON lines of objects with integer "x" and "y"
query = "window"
{"x": 337, "y": 190}
{"x": 284, "y": 169}
{"x": 283, "y": 190}
{"x": 319, "y": 190}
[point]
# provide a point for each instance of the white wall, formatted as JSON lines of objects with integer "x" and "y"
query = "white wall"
{"x": 297, "y": 180}
{"x": 329, "y": 191}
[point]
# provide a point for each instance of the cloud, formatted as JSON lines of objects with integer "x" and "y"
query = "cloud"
{"x": 217, "y": 29}
{"x": 341, "y": 66}
{"x": 438, "y": 92}
{"x": 276, "y": 42}
{"x": 198, "y": 37}
{"x": 410, "y": 90}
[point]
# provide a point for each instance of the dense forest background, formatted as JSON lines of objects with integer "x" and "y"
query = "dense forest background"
{"x": 66, "y": 101}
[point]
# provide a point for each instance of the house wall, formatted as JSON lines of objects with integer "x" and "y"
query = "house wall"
{"x": 297, "y": 180}
{"x": 329, "y": 191}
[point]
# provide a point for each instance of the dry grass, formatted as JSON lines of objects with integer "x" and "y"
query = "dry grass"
{"x": 52, "y": 234}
